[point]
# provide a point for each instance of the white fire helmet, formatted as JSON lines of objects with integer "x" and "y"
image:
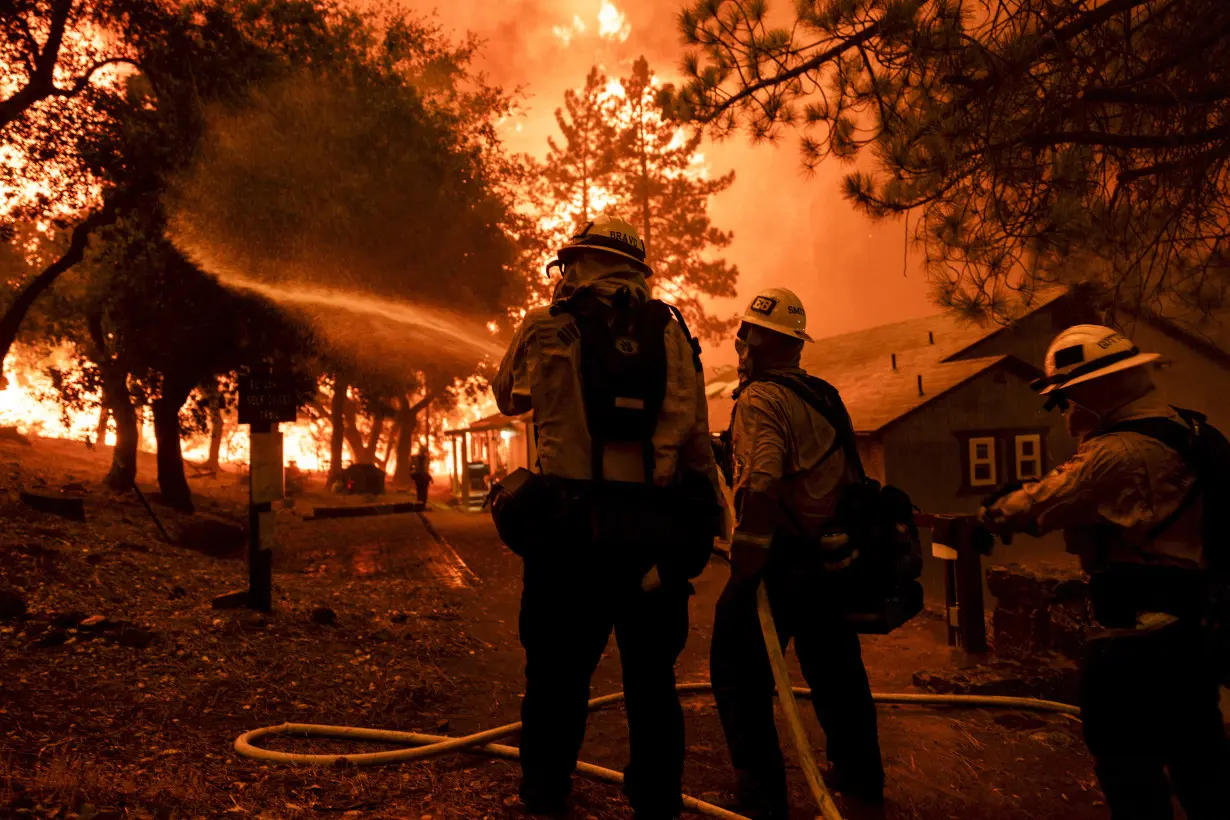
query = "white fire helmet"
{"x": 1086, "y": 352}
{"x": 610, "y": 235}
{"x": 780, "y": 310}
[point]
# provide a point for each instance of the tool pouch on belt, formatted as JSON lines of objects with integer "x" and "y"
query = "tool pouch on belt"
{"x": 693, "y": 518}
{"x": 671, "y": 527}
{"x": 522, "y": 506}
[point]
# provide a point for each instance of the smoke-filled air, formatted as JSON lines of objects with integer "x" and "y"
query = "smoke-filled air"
{"x": 361, "y": 208}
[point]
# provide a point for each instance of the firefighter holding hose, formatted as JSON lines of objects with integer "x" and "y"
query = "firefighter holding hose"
{"x": 620, "y": 513}
{"x": 791, "y": 445}
{"x": 1140, "y": 503}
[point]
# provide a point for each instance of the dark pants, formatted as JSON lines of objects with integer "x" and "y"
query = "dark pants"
{"x": 806, "y": 607}
{"x": 420, "y": 490}
{"x": 1149, "y": 704}
{"x": 571, "y": 602}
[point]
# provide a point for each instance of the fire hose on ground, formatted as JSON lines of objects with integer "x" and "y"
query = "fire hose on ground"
{"x": 424, "y": 746}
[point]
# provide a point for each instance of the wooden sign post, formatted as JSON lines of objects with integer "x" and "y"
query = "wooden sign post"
{"x": 960, "y": 541}
{"x": 265, "y": 400}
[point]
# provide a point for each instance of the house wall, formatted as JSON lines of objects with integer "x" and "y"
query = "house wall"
{"x": 923, "y": 454}
{"x": 871, "y": 453}
{"x": 1188, "y": 378}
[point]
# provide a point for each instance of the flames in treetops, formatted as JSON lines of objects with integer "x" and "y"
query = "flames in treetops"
{"x": 28, "y": 401}
{"x": 610, "y": 24}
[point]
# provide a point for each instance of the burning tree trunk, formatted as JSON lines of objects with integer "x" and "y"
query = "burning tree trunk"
{"x": 407, "y": 426}
{"x": 368, "y": 453}
{"x": 123, "y": 473}
{"x": 350, "y": 431}
{"x": 118, "y": 401}
{"x": 215, "y": 427}
{"x": 337, "y": 418}
{"x": 104, "y": 416}
{"x": 172, "y": 482}
{"x": 404, "y": 430}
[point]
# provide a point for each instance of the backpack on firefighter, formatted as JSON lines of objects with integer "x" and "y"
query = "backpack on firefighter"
{"x": 878, "y": 521}
{"x": 622, "y": 366}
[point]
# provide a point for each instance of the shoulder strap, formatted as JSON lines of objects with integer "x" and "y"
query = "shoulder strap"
{"x": 692, "y": 341}
{"x": 825, "y": 400}
{"x": 1174, "y": 434}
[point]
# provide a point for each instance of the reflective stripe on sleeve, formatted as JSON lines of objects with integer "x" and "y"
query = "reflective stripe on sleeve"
{"x": 762, "y": 541}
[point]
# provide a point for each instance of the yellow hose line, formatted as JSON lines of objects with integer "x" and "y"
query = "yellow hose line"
{"x": 424, "y": 746}
{"x": 432, "y": 746}
{"x": 790, "y": 707}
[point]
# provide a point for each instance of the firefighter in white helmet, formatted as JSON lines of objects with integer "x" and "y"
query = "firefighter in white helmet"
{"x": 625, "y": 508}
{"x": 1130, "y": 507}
{"x": 788, "y": 461}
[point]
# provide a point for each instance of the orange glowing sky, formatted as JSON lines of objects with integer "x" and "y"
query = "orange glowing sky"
{"x": 788, "y": 230}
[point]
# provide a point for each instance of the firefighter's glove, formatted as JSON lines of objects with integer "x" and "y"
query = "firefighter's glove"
{"x": 747, "y": 560}
{"x": 992, "y": 519}
{"x": 1001, "y": 491}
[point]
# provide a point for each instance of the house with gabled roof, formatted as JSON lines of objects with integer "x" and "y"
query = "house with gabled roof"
{"x": 944, "y": 409}
{"x": 931, "y": 414}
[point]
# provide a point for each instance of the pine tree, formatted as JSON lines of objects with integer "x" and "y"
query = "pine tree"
{"x": 1037, "y": 142}
{"x": 576, "y": 170}
{"x": 664, "y": 192}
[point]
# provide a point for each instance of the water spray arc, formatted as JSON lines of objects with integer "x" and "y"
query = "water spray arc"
{"x": 449, "y": 329}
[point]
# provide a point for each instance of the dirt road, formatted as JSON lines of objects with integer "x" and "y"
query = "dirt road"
{"x": 940, "y": 763}
{"x": 123, "y": 689}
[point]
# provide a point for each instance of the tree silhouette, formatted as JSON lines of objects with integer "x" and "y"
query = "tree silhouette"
{"x": 666, "y": 194}
{"x": 621, "y": 157}
{"x": 577, "y": 169}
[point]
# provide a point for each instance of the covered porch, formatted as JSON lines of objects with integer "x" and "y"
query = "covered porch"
{"x": 486, "y": 451}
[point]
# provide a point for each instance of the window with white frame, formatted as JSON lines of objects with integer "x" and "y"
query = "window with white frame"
{"x": 982, "y": 462}
{"x": 1028, "y": 457}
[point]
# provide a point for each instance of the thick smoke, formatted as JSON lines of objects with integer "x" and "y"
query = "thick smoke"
{"x": 361, "y": 212}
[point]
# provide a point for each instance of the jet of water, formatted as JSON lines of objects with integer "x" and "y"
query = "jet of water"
{"x": 448, "y": 328}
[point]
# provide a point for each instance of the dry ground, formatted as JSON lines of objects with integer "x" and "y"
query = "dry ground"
{"x": 132, "y": 713}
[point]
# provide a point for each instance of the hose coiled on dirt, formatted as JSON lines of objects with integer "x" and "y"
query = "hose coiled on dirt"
{"x": 423, "y": 746}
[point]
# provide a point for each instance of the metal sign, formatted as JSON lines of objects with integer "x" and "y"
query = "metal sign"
{"x": 265, "y": 471}
{"x": 266, "y": 399}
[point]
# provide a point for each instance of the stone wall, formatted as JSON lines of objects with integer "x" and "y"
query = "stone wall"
{"x": 1040, "y": 610}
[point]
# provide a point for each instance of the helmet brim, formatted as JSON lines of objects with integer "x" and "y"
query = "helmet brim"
{"x": 1126, "y": 364}
{"x": 604, "y": 249}
{"x": 776, "y": 328}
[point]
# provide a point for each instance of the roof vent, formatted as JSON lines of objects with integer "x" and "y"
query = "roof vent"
{"x": 931, "y": 336}
{"x": 894, "y": 361}
{"x": 920, "y": 390}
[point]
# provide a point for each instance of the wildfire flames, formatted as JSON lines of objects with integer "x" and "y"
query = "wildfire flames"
{"x": 611, "y": 24}
{"x": 28, "y": 400}
{"x": 27, "y": 404}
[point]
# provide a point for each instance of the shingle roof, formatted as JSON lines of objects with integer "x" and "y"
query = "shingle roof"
{"x": 860, "y": 366}
{"x": 1208, "y": 333}
{"x": 495, "y": 421}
